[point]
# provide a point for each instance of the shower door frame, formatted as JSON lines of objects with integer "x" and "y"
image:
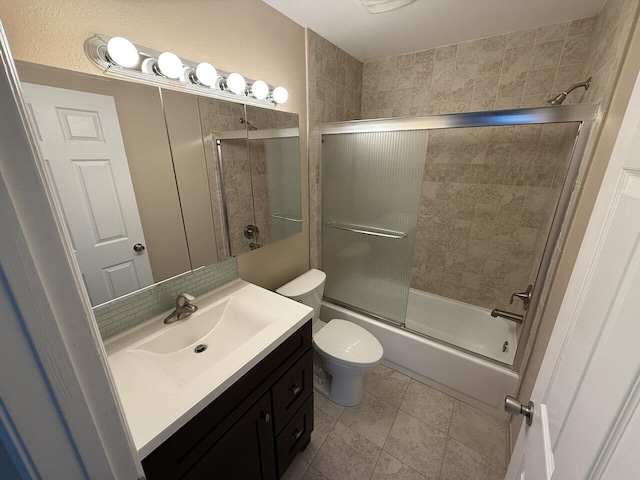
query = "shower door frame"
{"x": 583, "y": 114}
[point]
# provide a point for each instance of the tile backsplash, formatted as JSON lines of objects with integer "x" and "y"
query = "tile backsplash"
{"x": 134, "y": 309}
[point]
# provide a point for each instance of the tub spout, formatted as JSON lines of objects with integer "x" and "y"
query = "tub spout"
{"x": 514, "y": 317}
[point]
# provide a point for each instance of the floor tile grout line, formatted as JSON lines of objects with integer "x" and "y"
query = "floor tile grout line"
{"x": 422, "y": 421}
{"x": 389, "y": 432}
{"x": 360, "y": 435}
{"x": 476, "y": 451}
{"x": 403, "y": 463}
{"x": 469, "y": 446}
{"x": 325, "y": 438}
{"x": 446, "y": 444}
{"x": 376, "y": 464}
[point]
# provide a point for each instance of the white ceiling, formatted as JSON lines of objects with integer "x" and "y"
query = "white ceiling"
{"x": 425, "y": 23}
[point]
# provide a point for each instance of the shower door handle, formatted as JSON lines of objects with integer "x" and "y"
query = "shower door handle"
{"x": 366, "y": 230}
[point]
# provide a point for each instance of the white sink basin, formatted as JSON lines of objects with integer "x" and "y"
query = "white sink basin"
{"x": 163, "y": 382}
{"x": 217, "y": 330}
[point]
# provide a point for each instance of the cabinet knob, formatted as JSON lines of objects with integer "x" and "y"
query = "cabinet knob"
{"x": 265, "y": 416}
{"x": 297, "y": 433}
{"x": 295, "y": 389}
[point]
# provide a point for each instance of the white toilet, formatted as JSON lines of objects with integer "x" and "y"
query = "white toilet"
{"x": 346, "y": 351}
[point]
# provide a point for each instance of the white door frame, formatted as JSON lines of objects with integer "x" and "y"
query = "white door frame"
{"x": 59, "y": 413}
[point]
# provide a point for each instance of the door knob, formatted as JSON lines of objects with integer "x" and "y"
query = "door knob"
{"x": 138, "y": 247}
{"x": 513, "y": 406}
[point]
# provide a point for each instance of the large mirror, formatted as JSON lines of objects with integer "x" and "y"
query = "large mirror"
{"x": 106, "y": 149}
{"x": 153, "y": 182}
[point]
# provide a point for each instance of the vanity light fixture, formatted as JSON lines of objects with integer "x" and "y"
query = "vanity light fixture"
{"x": 207, "y": 75}
{"x": 122, "y": 52}
{"x": 236, "y": 83}
{"x": 280, "y": 95}
{"x": 117, "y": 56}
{"x": 170, "y": 65}
{"x": 259, "y": 90}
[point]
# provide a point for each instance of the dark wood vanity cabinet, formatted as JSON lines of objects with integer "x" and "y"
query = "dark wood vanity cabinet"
{"x": 254, "y": 429}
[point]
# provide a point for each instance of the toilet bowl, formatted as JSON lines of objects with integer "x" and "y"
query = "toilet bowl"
{"x": 344, "y": 351}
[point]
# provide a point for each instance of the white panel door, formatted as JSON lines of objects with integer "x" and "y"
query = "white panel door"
{"x": 80, "y": 139}
{"x": 586, "y": 422}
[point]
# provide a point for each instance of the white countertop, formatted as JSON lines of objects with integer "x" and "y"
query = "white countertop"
{"x": 156, "y": 405}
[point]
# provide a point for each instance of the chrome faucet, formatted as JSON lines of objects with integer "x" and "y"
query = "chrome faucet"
{"x": 183, "y": 308}
{"x": 514, "y": 317}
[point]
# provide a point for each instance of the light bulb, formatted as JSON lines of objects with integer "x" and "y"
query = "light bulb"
{"x": 123, "y": 52}
{"x": 170, "y": 65}
{"x": 280, "y": 94}
{"x": 206, "y": 74}
{"x": 236, "y": 83}
{"x": 259, "y": 90}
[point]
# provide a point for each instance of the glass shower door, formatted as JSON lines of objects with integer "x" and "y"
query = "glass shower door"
{"x": 370, "y": 200}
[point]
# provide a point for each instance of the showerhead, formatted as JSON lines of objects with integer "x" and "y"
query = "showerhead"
{"x": 248, "y": 123}
{"x": 558, "y": 99}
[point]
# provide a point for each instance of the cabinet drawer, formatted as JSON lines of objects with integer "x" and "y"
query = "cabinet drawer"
{"x": 290, "y": 392}
{"x": 295, "y": 435}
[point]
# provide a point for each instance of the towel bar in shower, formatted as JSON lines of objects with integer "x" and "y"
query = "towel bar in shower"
{"x": 365, "y": 230}
{"x": 284, "y": 217}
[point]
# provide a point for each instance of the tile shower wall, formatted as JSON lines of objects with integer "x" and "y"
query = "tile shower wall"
{"x": 519, "y": 69}
{"x": 488, "y": 194}
{"x": 486, "y": 206}
{"x": 334, "y": 94}
{"x": 132, "y": 310}
{"x": 606, "y": 49}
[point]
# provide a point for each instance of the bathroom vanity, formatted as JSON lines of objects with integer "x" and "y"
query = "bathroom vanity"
{"x": 241, "y": 408}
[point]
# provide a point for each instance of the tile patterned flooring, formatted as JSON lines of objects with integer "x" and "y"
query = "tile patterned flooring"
{"x": 402, "y": 430}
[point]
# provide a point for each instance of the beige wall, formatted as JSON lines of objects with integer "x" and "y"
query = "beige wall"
{"x": 616, "y": 40}
{"x": 246, "y": 36}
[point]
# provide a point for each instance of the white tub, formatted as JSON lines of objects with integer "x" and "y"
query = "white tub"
{"x": 467, "y": 326}
{"x": 480, "y": 383}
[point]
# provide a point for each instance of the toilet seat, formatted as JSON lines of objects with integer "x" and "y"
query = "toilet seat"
{"x": 348, "y": 344}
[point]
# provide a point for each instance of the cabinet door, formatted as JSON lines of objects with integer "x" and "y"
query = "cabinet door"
{"x": 244, "y": 452}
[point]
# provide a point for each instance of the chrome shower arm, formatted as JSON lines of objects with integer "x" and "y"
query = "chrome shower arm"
{"x": 558, "y": 99}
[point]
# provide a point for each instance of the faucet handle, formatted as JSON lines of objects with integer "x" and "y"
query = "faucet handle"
{"x": 184, "y": 298}
{"x": 524, "y": 296}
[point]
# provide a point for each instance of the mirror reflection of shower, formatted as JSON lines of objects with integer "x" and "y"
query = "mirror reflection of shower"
{"x": 248, "y": 123}
{"x": 558, "y": 99}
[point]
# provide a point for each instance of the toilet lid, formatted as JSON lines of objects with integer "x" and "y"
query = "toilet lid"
{"x": 348, "y": 343}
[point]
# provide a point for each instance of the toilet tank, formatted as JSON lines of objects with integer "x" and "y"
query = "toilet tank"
{"x": 307, "y": 288}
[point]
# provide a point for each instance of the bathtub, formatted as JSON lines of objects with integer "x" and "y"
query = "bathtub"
{"x": 467, "y": 326}
{"x": 462, "y": 375}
